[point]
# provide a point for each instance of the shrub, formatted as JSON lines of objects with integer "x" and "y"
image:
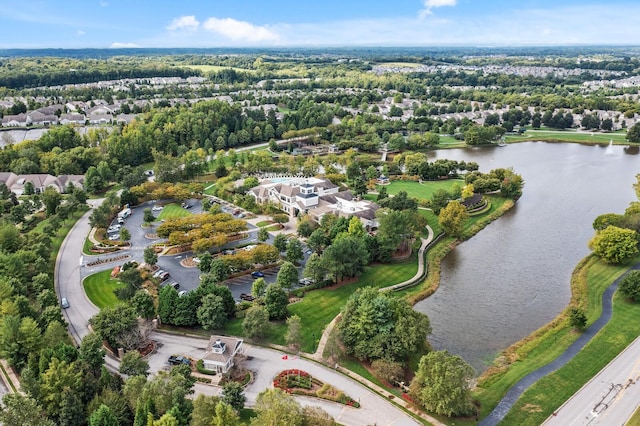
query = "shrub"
{"x": 202, "y": 370}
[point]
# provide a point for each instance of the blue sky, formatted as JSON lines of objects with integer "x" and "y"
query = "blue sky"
{"x": 289, "y": 23}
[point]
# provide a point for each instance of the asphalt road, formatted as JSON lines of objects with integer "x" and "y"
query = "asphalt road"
{"x": 267, "y": 363}
{"x": 610, "y": 398}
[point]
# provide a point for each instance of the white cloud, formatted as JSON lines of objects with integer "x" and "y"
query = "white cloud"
{"x": 80, "y": 32}
{"x": 184, "y": 22}
{"x": 118, "y": 45}
{"x": 432, "y": 4}
{"x": 240, "y": 31}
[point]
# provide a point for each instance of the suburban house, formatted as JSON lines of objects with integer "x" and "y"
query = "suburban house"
{"x": 220, "y": 353}
{"x": 20, "y": 120}
{"x": 316, "y": 197}
{"x": 72, "y": 119}
{"x": 39, "y": 118}
{"x": 40, "y": 182}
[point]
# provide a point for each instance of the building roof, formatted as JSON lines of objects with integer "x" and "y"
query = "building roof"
{"x": 221, "y": 349}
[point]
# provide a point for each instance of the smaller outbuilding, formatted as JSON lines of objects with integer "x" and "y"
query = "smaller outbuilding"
{"x": 220, "y": 353}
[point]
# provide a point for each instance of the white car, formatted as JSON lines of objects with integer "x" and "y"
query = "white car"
{"x": 157, "y": 273}
{"x": 64, "y": 303}
{"x": 156, "y": 208}
{"x": 114, "y": 237}
{"x": 114, "y": 228}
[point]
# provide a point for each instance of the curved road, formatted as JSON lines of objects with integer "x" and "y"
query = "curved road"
{"x": 267, "y": 362}
{"x": 507, "y": 402}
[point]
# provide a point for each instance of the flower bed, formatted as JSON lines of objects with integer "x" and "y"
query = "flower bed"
{"x": 300, "y": 382}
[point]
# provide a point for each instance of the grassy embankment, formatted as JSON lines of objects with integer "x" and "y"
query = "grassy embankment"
{"x": 574, "y": 136}
{"x": 589, "y": 281}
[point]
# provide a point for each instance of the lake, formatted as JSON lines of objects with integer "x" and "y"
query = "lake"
{"x": 514, "y": 276}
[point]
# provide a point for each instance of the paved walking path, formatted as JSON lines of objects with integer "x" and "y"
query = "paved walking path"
{"x": 510, "y": 398}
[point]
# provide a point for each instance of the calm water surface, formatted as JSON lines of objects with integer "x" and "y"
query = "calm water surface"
{"x": 513, "y": 277}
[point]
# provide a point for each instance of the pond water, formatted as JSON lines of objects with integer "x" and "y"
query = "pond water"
{"x": 514, "y": 276}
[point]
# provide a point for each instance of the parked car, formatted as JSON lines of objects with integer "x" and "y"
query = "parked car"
{"x": 114, "y": 237}
{"x": 156, "y": 208}
{"x": 186, "y": 205}
{"x": 114, "y": 228}
{"x": 64, "y": 303}
{"x": 175, "y": 285}
{"x": 247, "y": 297}
{"x": 182, "y": 293}
{"x": 163, "y": 276}
{"x": 257, "y": 274}
{"x": 306, "y": 281}
{"x": 179, "y": 359}
{"x": 157, "y": 273}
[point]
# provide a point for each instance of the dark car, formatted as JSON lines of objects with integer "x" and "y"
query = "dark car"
{"x": 247, "y": 297}
{"x": 257, "y": 274}
{"x": 179, "y": 359}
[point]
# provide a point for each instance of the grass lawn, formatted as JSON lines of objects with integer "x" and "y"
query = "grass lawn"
{"x": 569, "y": 136}
{"x": 424, "y": 190}
{"x": 264, "y": 223}
{"x": 545, "y": 345}
{"x": 635, "y": 419}
{"x": 100, "y": 289}
{"x": 450, "y": 142}
{"x": 319, "y": 307}
{"x": 432, "y": 220}
{"x": 172, "y": 210}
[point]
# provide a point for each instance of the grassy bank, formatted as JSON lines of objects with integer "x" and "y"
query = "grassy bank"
{"x": 571, "y": 136}
{"x": 590, "y": 278}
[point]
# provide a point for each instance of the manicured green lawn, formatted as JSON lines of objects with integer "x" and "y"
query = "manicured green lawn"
{"x": 319, "y": 307}
{"x": 432, "y": 220}
{"x": 570, "y": 136}
{"x": 421, "y": 191}
{"x": 264, "y": 223}
{"x": 100, "y": 289}
{"x": 173, "y": 210}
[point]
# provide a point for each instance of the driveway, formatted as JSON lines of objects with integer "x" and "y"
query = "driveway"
{"x": 267, "y": 363}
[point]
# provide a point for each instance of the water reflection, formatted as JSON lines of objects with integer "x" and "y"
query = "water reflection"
{"x": 513, "y": 277}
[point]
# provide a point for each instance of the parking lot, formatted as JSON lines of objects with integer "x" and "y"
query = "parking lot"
{"x": 187, "y": 278}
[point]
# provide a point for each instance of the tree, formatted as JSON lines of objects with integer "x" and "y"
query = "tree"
{"x": 630, "y": 286}
{"x": 51, "y": 199}
{"x": 59, "y": 378}
{"x": 577, "y": 318}
{"x": 258, "y": 287}
{"x": 276, "y": 407}
{"x": 280, "y": 242}
{"x": 18, "y": 338}
{"x": 293, "y": 336}
{"x": 287, "y": 275}
{"x": 375, "y": 325}
{"x": 388, "y": 371}
{"x": 263, "y": 234}
{"x": 315, "y": 268}
{"x": 225, "y": 415}
{"x": 116, "y": 325}
{"x": 233, "y": 394}
{"x": 255, "y": 322}
{"x": 294, "y": 250}
{"x": 346, "y": 257}
{"x": 633, "y": 134}
{"x": 276, "y": 301}
{"x": 22, "y": 410}
{"x": 441, "y": 384}
{"x": 614, "y": 244}
{"x": 132, "y": 364}
{"x": 212, "y": 313}
{"x": 148, "y": 216}
{"x": 316, "y": 416}
{"x": 452, "y": 218}
{"x": 103, "y": 416}
{"x": 167, "y": 302}
{"x": 204, "y": 410}
{"x": 125, "y": 235}
{"x": 142, "y": 303}
{"x": 92, "y": 352}
{"x": 150, "y": 256}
